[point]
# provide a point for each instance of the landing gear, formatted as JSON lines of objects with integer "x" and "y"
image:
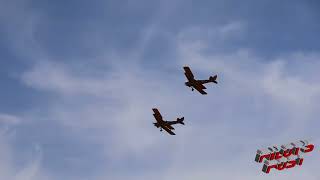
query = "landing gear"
{"x": 160, "y": 129}
{"x": 192, "y": 89}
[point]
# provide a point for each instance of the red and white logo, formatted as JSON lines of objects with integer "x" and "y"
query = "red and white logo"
{"x": 283, "y": 157}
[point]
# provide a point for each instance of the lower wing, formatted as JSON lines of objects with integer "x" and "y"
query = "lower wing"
{"x": 168, "y": 125}
{"x": 168, "y": 130}
{"x": 200, "y": 87}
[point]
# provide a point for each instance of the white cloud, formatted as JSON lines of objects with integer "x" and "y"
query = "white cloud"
{"x": 216, "y": 35}
{"x": 9, "y": 169}
{"x": 251, "y": 90}
{"x": 126, "y": 129}
{"x": 9, "y": 119}
{"x": 55, "y": 78}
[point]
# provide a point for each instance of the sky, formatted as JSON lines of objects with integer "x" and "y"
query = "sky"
{"x": 79, "y": 80}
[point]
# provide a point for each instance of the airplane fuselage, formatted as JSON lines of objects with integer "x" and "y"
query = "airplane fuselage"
{"x": 164, "y": 124}
{"x": 193, "y": 82}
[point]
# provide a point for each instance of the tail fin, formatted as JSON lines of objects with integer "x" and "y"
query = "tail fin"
{"x": 213, "y": 79}
{"x": 180, "y": 120}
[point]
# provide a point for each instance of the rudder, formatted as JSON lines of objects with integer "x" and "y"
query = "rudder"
{"x": 213, "y": 79}
{"x": 180, "y": 120}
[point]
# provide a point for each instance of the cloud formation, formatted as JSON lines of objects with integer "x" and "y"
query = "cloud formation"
{"x": 96, "y": 122}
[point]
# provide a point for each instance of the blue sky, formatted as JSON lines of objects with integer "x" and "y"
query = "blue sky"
{"x": 79, "y": 79}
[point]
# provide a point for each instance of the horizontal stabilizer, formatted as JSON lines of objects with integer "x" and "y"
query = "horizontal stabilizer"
{"x": 180, "y": 120}
{"x": 213, "y": 79}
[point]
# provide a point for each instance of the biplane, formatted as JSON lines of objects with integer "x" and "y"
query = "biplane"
{"x": 197, "y": 84}
{"x": 166, "y": 125}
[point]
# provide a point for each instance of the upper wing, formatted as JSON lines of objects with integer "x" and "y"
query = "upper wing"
{"x": 167, "y": 129}
{"x": 188, "y": 73}
{"x": 157, "y": 115}
{"x": 199, "y": 87}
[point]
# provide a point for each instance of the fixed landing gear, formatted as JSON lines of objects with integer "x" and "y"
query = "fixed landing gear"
{"x": 192, "y": 89}
{"x": 161, "y": 129}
